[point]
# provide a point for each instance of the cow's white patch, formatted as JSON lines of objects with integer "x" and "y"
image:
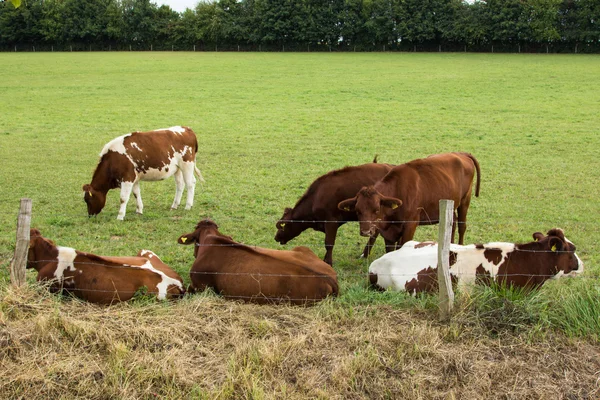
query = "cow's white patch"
{"x": 468, "y": 258}
{"x": 397, "y": 268}
{"x": 117, "y": 145}
{"x": 66, "y": 258}
{"x": 174, "y": 129}
{"x": 165, "y": 282}
{"x": 135, "y": 146}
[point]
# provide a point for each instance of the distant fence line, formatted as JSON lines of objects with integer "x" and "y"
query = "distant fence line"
{"x": 555, "y": 48}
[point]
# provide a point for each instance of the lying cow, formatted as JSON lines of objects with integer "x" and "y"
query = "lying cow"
{"x": 255, "y": 274}
{"x": 144, "y": 156}
{"x": 413, "y": 268}
{"x": 409, "y": 195}
{"x": 319, "y": 204}
{"x": 100, "y": 279}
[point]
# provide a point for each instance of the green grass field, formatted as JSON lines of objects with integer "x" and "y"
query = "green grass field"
{"x": 269, "y": 124}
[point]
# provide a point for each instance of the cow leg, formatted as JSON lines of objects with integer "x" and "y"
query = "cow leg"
{"x": 178, "y": 189}
{"x": 369, "y": 245}
{"x": 408, "y": 232}
{"x": 454, "y": 219}
{"x": 331, "y": 229}
{"x": 389, "y": 245}
{"x": 462, "y": 223}
{"x": 126, "y": 188}
{"x": 138, "y": 198}
{"x": 187, "y": 168}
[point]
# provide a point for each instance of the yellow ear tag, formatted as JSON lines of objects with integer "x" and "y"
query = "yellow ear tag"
{"x": 394, "y": 206}
{"x": 90, "y": 193}
{"x": 183, "y": 239}
{"x": 282, "y": 225}
{"x": 346, "y": 208}
{"x": 553, "y": 248}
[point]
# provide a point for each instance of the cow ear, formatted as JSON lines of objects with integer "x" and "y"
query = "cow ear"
{"x": 555, "y": 244}
{"x": 347, "y": 205}
{"x": 186, "y": 239}
{"x": 391, "y": 202}
{"x": 538, "y": 236}
{"x": 87, "y": 187}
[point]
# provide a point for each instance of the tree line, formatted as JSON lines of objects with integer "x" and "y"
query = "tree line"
{"x": 304, "y": 25}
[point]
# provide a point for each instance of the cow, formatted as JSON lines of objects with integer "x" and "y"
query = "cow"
{"x": 100, "y": 279}
{"x": 144, "y": 156}
{"x": 413, "y": 268}
{"x": 317, "y": 208}
{"x": 408, "y": 196}
{"x": 254, "y": 274}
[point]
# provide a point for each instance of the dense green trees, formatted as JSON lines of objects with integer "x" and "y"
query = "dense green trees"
{"x": 307, "y": 25}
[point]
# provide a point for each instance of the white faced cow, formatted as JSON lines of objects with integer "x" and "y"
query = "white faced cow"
{"x": 144, "y": 156}
{"x": 413, "y": 267}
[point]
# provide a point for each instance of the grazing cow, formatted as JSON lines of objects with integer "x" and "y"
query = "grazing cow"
{"x": 144, "y": 156}
{"x": 319, "y": 204}
{"x": 255, "y": 274}
{"x": 409, "y": 196}
{"x": 100, "y": 279}
{"x": 413, "y": 268}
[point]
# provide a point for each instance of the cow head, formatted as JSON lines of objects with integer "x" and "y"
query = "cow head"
{"x": 370, "y": 207}
{"x": 563, "y": 260}
{"x": 94, "y": 199}
{"x": 288, "y": 229}
{"x": 203, "y": 228}
{"x": 41, "y": 250}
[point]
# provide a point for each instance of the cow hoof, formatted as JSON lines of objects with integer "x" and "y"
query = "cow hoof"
{"x": 139, "y": 212}
{"x": 188, "y": 207}
{"x": 120, "y": 218}
{"x": 173, "y": 207}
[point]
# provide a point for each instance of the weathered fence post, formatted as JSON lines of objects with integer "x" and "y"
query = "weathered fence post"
{"x": 19, "y": 261}
{"x": 445, "y": 235}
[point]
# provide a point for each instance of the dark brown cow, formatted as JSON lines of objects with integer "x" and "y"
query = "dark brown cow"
{"x": 413, "y": 268}
{"x": 100, "y": 279}
{"x": 319, "y": 204}
{"x": 409, "y": 195}
{"x": 255, "y": 274}
{"x": 144, "y": 156}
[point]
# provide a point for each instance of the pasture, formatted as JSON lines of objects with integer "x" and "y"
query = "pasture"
{"x": 269, "y": 124}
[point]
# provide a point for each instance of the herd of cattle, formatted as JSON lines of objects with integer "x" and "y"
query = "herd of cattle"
{"x": 387, "y": 200}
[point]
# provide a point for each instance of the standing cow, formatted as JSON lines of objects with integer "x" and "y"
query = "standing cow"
{"x": 413, "y": 268}
{"x": 100, "y": 279}
{"x": 317, "y": 208}
{"x": 409, "y": 195}
{"x": 144, "y": 156}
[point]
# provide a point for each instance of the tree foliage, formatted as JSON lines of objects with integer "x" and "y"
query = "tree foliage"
{"x": 304, "y": 24}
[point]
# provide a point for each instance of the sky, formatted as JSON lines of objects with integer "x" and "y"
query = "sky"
{"x": 177, "y": 5}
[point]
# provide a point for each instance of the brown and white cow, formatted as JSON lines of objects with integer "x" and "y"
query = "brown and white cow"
{"x": 144, "y": 156}
{"x": 409, "y": 195}
{"x": 317, "y": 208}
{"x": 413, "y": 268}
{"x": 254, "y": 274}
{"x": 100, "y": 279}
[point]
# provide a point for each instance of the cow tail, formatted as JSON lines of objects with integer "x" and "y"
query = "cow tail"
{"x": 375, "y": 159}
{"x": 472, "y": 157}
{"x": 199, "y": 174}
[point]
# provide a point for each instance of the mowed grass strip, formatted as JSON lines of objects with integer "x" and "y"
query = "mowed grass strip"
{"x": 268, "y": 125}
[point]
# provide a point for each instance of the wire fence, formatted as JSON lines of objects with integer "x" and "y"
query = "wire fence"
{"x": 256, "y": 275}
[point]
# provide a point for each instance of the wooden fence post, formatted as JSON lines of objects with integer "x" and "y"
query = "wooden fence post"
{"x": 19, "y": 261}
{"x": 446, "y": 298}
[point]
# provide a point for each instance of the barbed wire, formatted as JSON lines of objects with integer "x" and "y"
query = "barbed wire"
{"x": 342, "y": 273}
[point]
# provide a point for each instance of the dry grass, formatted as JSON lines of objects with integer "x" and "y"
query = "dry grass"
{"x": 205, "y": 347}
